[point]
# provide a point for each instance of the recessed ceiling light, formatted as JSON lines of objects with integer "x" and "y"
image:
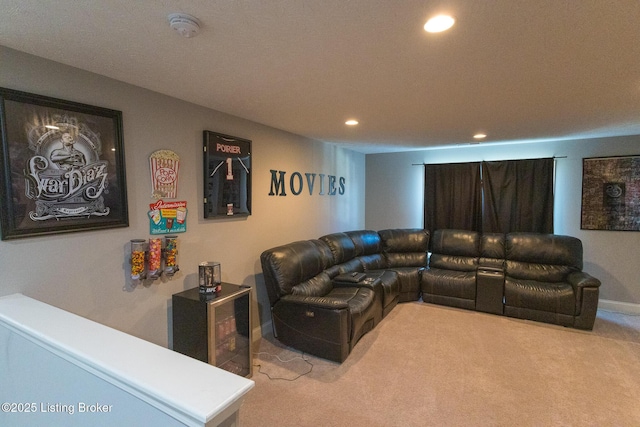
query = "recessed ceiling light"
{"x": 351, "y": 122}
{"x": 52, "y": 127}
{"x": 439, "y": 23}
{"x": 479, "y": 136}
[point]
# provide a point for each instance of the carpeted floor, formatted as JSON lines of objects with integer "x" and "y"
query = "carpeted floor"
{"x": 429, "y": 365}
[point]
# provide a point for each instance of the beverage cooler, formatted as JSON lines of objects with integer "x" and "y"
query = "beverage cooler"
{"x": 215, "y": 328}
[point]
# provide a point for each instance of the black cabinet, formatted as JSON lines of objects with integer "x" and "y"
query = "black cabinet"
{"x": 215, "y": 329}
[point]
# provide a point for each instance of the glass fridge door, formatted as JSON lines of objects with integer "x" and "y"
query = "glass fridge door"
{"x": 230, "y": 327}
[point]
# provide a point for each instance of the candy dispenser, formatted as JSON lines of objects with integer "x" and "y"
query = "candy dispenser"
{"x": 138, "y": 250}
{"x": 155, "y": 258}
{"x": 170, "y": 255}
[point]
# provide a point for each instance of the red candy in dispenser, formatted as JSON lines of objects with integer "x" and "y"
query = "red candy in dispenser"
{"x": 155, "y": 257}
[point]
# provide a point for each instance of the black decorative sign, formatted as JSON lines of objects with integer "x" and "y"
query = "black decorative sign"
{"x": 62, "y": 166}
{"x": 227, "y": 175}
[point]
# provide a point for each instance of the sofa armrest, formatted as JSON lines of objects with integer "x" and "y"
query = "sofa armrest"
{"x": 580, "y": 279}
{"x": 318, "y": 302}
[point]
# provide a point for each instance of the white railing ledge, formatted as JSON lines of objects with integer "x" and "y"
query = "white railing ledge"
{"x": 190, "y": 391}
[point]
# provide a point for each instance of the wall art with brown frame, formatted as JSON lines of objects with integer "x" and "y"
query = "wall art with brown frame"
{"x": 611, "y": 193}
{"x": 62, "y": 166}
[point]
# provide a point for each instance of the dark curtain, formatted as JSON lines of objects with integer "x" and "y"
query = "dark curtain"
{"x": 518, "y": 196}
{"x": 452, "y": 196}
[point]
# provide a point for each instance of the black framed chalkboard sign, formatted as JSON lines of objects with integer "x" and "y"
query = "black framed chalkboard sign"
{"x": 227, "y": 175}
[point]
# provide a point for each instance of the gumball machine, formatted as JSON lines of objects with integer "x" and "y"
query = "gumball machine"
{"x": 138, "y": 250}
{"x": 155, "y": 258}
{"x": 171, "y": 256}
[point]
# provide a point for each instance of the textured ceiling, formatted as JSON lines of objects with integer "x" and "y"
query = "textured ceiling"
{"x": 514, "y": 69}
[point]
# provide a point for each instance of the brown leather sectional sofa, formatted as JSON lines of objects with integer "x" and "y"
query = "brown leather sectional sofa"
{"x": 325, "y": 294}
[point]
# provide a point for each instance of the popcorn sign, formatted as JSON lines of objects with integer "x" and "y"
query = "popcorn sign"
{"x": 164, "y": 165}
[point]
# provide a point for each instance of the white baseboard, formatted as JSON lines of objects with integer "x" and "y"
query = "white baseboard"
{"x": 619, "y": 307}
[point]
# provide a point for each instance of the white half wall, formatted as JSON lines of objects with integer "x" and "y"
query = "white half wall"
{"x": 61, "y": 369}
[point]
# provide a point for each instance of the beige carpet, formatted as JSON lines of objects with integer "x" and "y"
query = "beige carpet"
{"x": 429, "y": 365}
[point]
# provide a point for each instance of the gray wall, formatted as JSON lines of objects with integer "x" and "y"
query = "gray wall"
{"x": 394, "y": 197}
{"x": 86, "y": 273}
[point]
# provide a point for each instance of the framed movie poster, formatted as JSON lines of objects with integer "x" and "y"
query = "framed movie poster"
{"x": 611, "y": 193}
{"x": 227, "y": 175}
{"x": 62, "y": 166}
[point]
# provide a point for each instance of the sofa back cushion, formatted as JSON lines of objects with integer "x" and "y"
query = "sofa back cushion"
{"x": 405, "y": 247}
{"x": 542, "y": 257}
{"x": 289, "y": 265}
{"x": 341, "y": 245}
{"x": 373, "y": 261}
{"x": 368, "y": 249}
{"x": 457, "y": 250}
{"x": 367, "y": 242}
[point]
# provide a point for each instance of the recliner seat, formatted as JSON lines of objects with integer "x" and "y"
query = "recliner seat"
{"x": 451, "y": 276}
{"x": 544, "y": 280}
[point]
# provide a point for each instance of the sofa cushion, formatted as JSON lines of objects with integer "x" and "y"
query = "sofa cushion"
{"x": 405, "y": 247}
{"x": 453, "y": 262}
{"x": 542, "y": 296}
{"x": 287, "y": 266}
{"x": 550, "y": 249}
{"x": 373, "y": 262}
{"x": 341, "y": 245}
{"x": 457, "y": 250}
{"x": 539, "y": 272}
{"x": 456, "y": 242}
{"x": 366, "y": 242}
{"x": 458, "y": 284}
{"x": 542, "y": 257}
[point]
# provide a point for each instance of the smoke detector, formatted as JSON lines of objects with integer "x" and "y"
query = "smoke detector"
{"x": 186, "y": 25}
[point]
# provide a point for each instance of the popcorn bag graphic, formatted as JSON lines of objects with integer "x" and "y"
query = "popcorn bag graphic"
{"x": 165, "y": 165}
